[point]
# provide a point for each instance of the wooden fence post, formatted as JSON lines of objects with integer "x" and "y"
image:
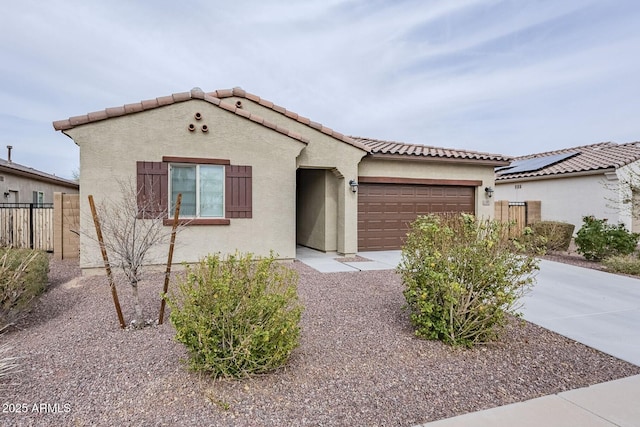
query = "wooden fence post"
{"x": 167, "y": 273}
{"x": 107, "y": 266}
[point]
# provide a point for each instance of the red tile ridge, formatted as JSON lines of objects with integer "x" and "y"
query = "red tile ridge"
{"x": 133, "y": 108}
{"x": 97, "y": 115}
{"x": 417, "y": 150}
{"x": 79, "y": 120}
{"x": 165, "y": 100}
{"x": 195, "y": 93}
{"x": 182, "y": 96}
{"x": 239, "y": 92}
{"x": 115, "y": 111}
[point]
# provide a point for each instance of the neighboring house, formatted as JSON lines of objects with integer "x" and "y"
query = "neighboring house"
{"x": 22, "y": 184}
{"x": 257, "y": 177}
{"x": 593, "y": 180}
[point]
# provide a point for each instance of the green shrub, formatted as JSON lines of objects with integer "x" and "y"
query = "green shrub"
{"x": 597, "y": 240}
{"x": 528, "y": 242}
{"x": 626, "y": 264}
{"x": 23, "y": 276}
{"x": 237, "y": 316}
{"x": 557, "y": 234}
{"x": 462, "y": 277}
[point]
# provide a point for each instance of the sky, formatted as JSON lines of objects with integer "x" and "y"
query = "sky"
{"x": 509, "y": 77}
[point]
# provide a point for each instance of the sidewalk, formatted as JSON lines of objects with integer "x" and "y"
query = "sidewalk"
{"x": 614, "y": 403}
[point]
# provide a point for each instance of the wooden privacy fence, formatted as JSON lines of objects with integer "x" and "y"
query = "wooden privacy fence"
{"x": 27, "y": 225}
{"x": 518, "y": 214}
{"x": 66, "y": 226}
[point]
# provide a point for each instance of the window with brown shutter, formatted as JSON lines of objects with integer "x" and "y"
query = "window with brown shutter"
{"x": 238, "y": 192}
{"x": 152, "y": 189}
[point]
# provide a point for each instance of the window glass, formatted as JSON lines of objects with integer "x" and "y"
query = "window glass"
{"x": 202, "y": 188}
{"x": 183, "y": 180}
{"x": 211, "y": 191}
{"x": 38, "y": 198}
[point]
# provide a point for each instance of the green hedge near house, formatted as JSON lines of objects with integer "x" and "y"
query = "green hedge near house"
{"x": 238, "y": 315}
{"x": 462, "y": 276}
{"x": 597, "y": 239}
{"x": 557, "y": 234}
{"x": 23, "y": 276}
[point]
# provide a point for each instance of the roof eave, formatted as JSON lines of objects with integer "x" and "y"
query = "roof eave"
{"x": 194, "y": 94}
{"x": 436, "y": 159}
{"x": 241, "y": 93}
{"x": 603, "y": 171}
{"x": 39, "y": 177}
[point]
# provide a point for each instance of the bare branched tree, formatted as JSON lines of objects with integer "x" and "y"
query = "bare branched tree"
{"x": 624, "y": 192}
{"x": 129, "y": 234}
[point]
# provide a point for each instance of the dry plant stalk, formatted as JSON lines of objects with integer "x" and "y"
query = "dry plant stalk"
{"x": 8, "y": 364}
{"x": 128, "y": 237}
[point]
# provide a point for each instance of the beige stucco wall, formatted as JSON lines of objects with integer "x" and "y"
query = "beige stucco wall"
{"x": 327, "y": 153}
{"x": 317, "y": 209}
{"x": 311, "y": 218}
{"x": 110, "y": 149}
{"x": 372, "y": 167}
{"x": 23, "y": 188}
{"x": 567, "y": 199}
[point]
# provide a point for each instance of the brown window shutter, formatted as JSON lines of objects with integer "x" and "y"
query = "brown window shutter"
{"x": 152, "y": 188}
{"x": 238, "y": 191}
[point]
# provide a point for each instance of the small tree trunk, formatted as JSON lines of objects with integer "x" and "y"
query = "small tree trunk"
{"x": 139, "y": 316}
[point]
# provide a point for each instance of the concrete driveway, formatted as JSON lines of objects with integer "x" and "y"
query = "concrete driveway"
{"x": 601, "y": 310}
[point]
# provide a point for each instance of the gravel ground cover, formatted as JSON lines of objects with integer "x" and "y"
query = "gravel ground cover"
{"x": 358, "y": 364}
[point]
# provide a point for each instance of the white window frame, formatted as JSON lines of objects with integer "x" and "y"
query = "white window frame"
{"x": 39, "y": 197}
{"x": 197, "y": 166}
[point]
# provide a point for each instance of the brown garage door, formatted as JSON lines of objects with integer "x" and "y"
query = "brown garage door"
{"x": 386, "y": 210}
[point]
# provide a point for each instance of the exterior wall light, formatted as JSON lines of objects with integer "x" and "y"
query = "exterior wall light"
{"x": 354, "y": 185}
{"x": 488, "y": 191}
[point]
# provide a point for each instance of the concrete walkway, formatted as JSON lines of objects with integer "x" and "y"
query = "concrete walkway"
{"x": 601, "y": 310}
{"x": 325, "y": 262}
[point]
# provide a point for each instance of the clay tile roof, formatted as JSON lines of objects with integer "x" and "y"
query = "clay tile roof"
{"x": 18, "y": 169}
{"x": 398, "y": 149}
{"x": 586, "y": 158}
{"x": 195, "y": 93}
{"x": 241, "y": 93}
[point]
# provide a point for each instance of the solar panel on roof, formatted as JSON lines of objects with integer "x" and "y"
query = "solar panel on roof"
{"x": 534, "y": 164}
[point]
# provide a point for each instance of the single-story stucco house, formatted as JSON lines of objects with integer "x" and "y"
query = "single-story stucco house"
{"x": 274, "y": 179}
{"x": 602, "y": 180}
{"x": 23, "y": 184}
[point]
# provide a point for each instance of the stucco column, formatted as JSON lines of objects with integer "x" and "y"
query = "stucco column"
{"x": 347, "y": 218}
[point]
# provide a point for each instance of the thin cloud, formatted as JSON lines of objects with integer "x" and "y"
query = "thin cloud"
{"x": 490, "y": 75}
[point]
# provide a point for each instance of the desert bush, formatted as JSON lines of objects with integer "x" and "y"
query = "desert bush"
{"x": 528, "y": 242}
{"x": 626, "y": 264}
{"x": 23, "y": 276}
{"x": 8, "y": 364}
{"x": 462, "y": 277}
{"x": 237, "y": 316}
{"x": 597, "y": 239}
{"x": 557, "y": 234}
